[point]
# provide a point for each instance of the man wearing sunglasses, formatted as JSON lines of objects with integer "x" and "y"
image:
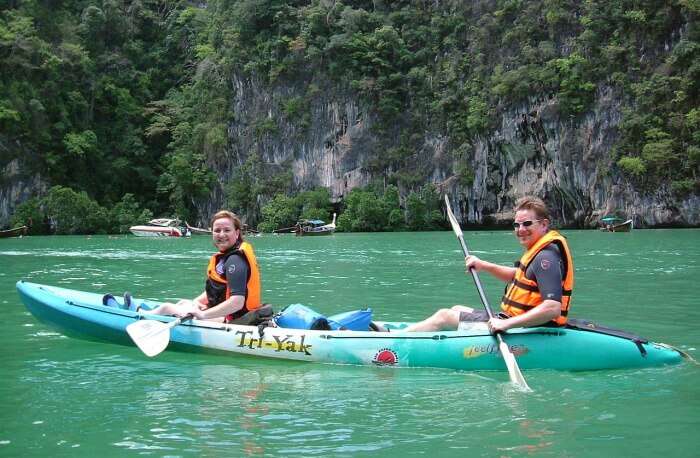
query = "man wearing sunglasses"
{"x": 539, "y": 286}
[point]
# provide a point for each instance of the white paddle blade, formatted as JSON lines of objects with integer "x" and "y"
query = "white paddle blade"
{"x": 453, "y": 221}
{"x": 516, "y": 377}
{"x": 151, "y": 336}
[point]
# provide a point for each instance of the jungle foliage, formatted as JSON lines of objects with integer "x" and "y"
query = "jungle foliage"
{"x": 114, "y": 98}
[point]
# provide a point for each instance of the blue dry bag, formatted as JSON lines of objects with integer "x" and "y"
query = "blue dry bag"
{"x": 356, "y": 320}
{"x": 298, "y": 316}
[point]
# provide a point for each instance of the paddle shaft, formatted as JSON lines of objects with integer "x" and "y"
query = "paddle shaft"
{"x": 475, "y": 276}
{"x": 513, "y": 370}
{"x": 174, "y": 323}
{"x": 458, "y": 232}
{"x": 479, "y": 288}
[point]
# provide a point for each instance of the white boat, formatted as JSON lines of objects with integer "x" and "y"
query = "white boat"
{"x": 161, "y": 227}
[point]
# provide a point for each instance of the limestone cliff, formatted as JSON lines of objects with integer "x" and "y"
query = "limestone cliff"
{"x": 534, "y": 151}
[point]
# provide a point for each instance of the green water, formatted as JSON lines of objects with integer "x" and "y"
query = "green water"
{"x": 68, "y": 397}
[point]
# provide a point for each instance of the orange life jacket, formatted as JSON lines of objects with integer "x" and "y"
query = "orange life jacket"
{"x": 217, "y": 288}
{"x": 522, "y": 293}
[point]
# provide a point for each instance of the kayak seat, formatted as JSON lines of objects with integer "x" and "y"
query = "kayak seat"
{"x": 321, "y": 324}
{"x": 255, "y": 317}
{"x": 376, "y": 327}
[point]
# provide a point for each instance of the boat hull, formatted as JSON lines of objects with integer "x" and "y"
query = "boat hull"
{"x": 622, "y": 227}
{"x": 155, "y": 231}
{"x": 198, "y": 231}
{"x": 82, "y": 313}
{"x": 315, "y": 233}
{"x": 16, "y": 232}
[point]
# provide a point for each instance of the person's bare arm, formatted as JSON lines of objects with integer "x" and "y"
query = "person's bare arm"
{"x": 503, "y": 273}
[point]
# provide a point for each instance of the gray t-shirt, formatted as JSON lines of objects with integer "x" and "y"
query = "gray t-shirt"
{"x": 547, "y": 269}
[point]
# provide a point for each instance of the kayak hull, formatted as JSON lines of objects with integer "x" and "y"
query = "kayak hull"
{"x": 82, "y": 313}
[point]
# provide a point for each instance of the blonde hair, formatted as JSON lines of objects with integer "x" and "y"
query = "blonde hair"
{"x": 535, "y": 204}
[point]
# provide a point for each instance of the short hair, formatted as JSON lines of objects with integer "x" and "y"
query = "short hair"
{"x": 535, "y": 204}
{"x": 227, "y": 214}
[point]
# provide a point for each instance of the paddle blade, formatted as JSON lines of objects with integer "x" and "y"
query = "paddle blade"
{"x": 453, "y": 221}
{"x": 516, "y": 377}
{"x": 151, "y": 336}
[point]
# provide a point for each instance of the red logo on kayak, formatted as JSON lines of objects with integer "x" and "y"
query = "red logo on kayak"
{"x": 385, "y": 357}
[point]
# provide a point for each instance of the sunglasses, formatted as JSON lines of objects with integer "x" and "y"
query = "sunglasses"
{"x": 527, "y": 223}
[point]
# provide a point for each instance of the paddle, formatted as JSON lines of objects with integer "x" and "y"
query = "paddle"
{"x": 152, "y": 336}
{"x": 513, "y": 370}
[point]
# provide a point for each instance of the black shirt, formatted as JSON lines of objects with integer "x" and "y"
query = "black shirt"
{"x": 236, "y": 272}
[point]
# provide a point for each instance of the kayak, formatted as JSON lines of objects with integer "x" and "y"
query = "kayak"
{"x": 582, "y": 346}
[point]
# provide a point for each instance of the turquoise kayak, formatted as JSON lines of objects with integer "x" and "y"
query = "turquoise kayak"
{"x": 583, "y": 346}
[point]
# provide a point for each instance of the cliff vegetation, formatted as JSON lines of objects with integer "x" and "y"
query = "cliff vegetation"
{"x": 288, "y": 109}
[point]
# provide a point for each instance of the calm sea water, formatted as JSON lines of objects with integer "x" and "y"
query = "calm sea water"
{"x": 69, "y": 397}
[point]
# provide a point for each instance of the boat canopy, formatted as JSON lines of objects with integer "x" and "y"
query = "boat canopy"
{"x": 314, "y": 222}
{"x": 610, "y": 219}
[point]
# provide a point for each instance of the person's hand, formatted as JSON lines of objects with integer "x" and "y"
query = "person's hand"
{"x": 472, "y": 261}
{"x": 498, "y": 325}
{"x": 190, "y": 308}
{"x": 197, "y": 313}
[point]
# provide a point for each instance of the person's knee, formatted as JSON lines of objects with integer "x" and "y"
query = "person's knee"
{"x": 446, "y": 317}
{"x": 442, "y": 313}
{"x": 166, "y": 308}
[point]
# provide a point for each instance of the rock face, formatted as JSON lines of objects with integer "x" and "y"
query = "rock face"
{"x": 15, "y": 188}
{"x": 535, "y": 151}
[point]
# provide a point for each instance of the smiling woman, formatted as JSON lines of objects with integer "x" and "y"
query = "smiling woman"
{"x": 232, "y": 288}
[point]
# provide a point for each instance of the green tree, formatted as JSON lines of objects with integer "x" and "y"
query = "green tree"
{"x": 632, "y": 165}
{"x": 392, "y": 202}
{"x": 315, "y": 204}
{"x": 29, "y": 213}
{"x": 128, "y": 212}
{"x": 364, "y": 212}
{"x": 280, "y": 212}
{"x": 71, "y": 212}
{"x": 423, "y": 210}
{"x": 658, "y": 152}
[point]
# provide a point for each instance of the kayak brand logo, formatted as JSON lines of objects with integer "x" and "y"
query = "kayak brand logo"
{"x": 385, "y": 357}
{"x": 289, "y": 342}
{"x": 492, "y": 349}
